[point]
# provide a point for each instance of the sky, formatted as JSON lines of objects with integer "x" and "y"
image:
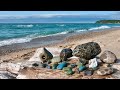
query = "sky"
{"x": 57, "y": 16}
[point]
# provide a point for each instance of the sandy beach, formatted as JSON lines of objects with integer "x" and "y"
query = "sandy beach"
{"x": 107, "y": 39}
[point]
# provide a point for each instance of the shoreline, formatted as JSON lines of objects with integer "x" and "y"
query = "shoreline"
{"x": 17, "y": 52}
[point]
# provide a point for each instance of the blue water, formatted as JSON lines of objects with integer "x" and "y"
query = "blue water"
{"x": 20, "y": 33}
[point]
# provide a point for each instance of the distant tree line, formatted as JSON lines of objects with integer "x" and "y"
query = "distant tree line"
{"x": 108, "y": 21}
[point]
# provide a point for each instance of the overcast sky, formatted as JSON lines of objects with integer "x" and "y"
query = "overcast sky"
{"x": 56, "y": 16}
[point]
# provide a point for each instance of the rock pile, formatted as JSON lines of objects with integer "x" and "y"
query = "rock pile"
{"x": 86, "y": 60}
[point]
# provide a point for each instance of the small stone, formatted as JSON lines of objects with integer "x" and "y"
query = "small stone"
{"x": 105, "y": 71}
{"x": 68, "y": 70}
{"x": 83, "y": 61}
{"x": 73, "y": 65}
{"x": 49, "y": 67}
{"x": 61, "y": 65}
{"x": 88, "y": 72}
{"x": 108, "y": 57}
{"x": 65, "y": 53}
{"x": 93, "y": 63}
{"x": 81, "y": 68}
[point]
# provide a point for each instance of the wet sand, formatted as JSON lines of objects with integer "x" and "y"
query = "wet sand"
{"x": 108, "y": 40}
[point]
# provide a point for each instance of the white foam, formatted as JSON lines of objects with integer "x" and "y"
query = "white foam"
{"x": 101, "y": 27}
{"x": 81, "y": 30}
{"x": 12, "y": 41}
{"x": 25, "y": 25}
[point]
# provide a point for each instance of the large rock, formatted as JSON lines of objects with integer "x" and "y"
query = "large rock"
{"x": 88, "y": 50}
{"x": 108, "y": 57}
{"x": 65, "y": 53}
{"x": 105, "y": 71}
{"x": 45, "y": 55}
{"x": 36, "y": 56}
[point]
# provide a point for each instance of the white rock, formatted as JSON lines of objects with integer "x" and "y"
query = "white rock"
{"x": 54, "y": 51}
{"x": 93, "y": 63}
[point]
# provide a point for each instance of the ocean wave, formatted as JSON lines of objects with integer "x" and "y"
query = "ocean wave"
{"x": 13, "y": 41}
{"x": 29, "y": 26}
{"x": 81, "y": 30}
{"x": 101, "y": 27}
{"x": 116, "y": 26}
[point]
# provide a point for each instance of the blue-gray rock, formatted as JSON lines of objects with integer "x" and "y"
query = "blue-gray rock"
{"x": 87, "y": 51}
{"x": 61, "y": 65}
{"x": 73, "y": 65}
{"x": 88, "y": 72}
{"x": 65, "y": 53}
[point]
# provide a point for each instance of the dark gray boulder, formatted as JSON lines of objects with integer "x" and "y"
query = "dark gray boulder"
{"x": 65, "y": 53}
{"x": 87, "y": 51}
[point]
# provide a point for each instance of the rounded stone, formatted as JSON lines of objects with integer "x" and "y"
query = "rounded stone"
{"x": 87, "y": 51}
{"x": 73, "y": 65}
{"x": 61, "y": 65}
{"x": 65, "y": 53}
{"x": 88, "y": 72}
{"x": 93, "y": 63}
{"x": 108, "y": 57}
{"x": 105, "y": 71}
{"x": 45, "y": 55}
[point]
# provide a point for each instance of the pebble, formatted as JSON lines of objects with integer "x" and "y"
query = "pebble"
{"x": 61, "y": 65}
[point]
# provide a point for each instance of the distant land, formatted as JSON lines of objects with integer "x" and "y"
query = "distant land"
{"x": 108, "y": 21}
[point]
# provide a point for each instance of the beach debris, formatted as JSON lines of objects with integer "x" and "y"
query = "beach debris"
{"x": 87, "y": 51}
{"x": 68, "y": 70}
{"x": 93, "y": 63}
{"x": 83, "y": 61}
{"x": 88, "y": 72}
{"x": 45, "y": 55}
{"x": 108, "y": 57}
{"x": 62, "y": 65}
{"x": 56, "y": 59}
{"x": 105, "y": 71}
{"x": 65, "y": 53}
